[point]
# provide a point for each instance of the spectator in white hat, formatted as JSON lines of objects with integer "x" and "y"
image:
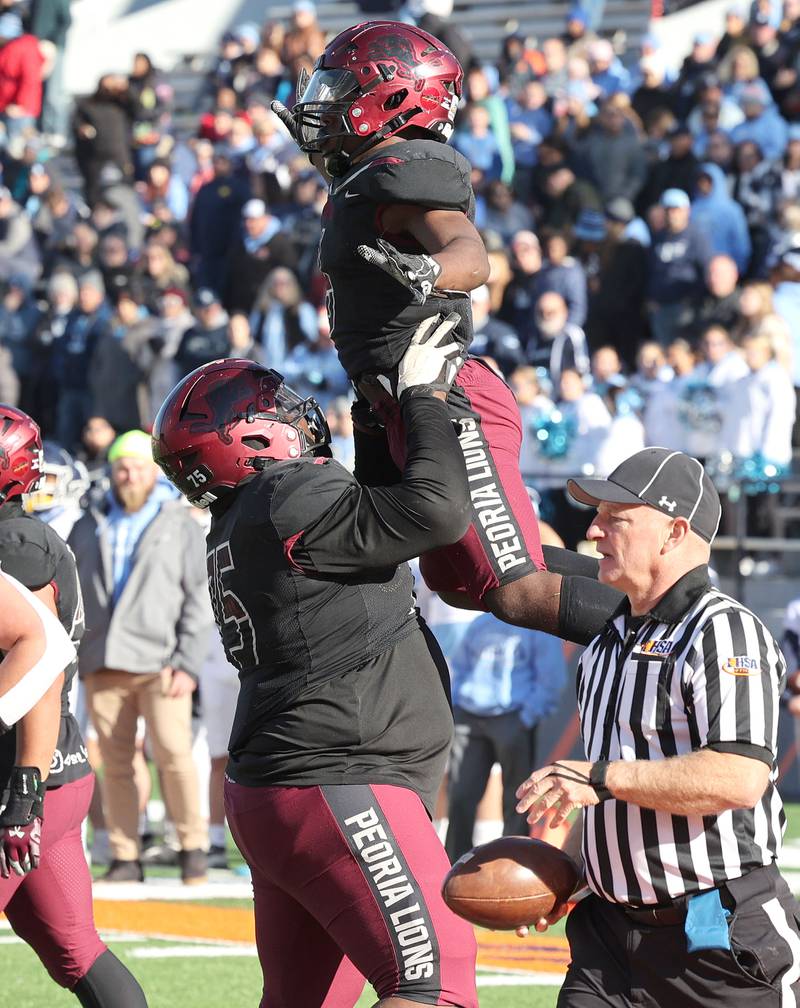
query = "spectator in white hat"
{"x": 262, "y": 246}
{"x": 677, "y": 265}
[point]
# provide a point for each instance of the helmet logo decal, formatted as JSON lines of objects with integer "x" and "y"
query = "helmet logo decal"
{"x": 226, "y": 410}
{"x": 396, "y": 48}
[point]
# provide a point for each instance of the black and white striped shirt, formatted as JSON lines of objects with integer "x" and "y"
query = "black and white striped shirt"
{"x": 698, "y": 671}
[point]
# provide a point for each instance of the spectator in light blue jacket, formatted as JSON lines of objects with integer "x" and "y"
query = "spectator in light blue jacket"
{"x": 530, "y": 121}
{"x": 476, "y": 141}
{"x": 720, "y": 217}
{"x": 505, "y": 680}
{"x": 608, "y": 73}
{"x": 281, "y": 320}
{"x": 762, "y": 122}
{"x": 786, "y": 302}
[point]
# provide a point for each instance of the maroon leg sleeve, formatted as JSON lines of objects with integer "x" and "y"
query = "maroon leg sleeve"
{"x": 52, "y": 907}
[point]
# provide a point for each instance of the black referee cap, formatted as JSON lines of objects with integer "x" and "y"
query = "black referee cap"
{"x": 669, "y": 481}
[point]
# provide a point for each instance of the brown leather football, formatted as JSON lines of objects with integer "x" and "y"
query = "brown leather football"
{"x": 509, "y": 882}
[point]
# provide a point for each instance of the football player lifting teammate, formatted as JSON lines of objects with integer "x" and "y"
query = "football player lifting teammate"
{"x": 399, "y": 246}
{"x": 343, "y": 724}
{"x": 45, "y": 779}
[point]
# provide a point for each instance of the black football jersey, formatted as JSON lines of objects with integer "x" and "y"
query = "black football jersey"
{"x": 373, "y": 316}
{"x": 36, "y": 555}
{"x": 310, "y": 593}
{"x": 282, "y": 628}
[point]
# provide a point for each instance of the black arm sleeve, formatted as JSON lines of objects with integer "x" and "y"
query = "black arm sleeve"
{"x": 378, "y": 527}
{"x": 374, "y": 465}
{"x": 568, "y": 562}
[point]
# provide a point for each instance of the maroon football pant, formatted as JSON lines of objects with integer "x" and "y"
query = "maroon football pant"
{"x": 502, "y": 543}
{"x": 51, "y": 907}
{"x": 347, "y": 882}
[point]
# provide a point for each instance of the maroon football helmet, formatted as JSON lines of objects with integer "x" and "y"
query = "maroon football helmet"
{"x": 371, "y": 81}
{"x": 225, "y": 421}
{"x": 20, "y": 453}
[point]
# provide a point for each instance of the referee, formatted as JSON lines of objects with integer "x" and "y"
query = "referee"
{"x": 678, "y": 702}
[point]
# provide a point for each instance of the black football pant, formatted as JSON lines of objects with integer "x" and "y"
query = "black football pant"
{"x": 618, "y": 962}
{"x": 478, "y": 743}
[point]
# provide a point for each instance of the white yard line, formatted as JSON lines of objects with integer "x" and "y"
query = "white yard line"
{"x": 172, "y": 889}
{"x": 192, "y": 951}
{"x": 520, "y": 980}
{"x": 141, "y": 936}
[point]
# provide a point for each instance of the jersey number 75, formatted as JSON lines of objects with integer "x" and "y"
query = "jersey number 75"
{"x": 232, "y": 618}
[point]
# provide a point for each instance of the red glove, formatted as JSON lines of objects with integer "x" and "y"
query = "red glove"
{"x": 21, "y": 813}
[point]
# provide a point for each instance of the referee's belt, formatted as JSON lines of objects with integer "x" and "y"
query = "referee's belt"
{"x": 731, "y": 893}
{"x": 658, "y": 916}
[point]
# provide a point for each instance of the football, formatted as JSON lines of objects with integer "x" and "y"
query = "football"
{"x": 509, "y": 882}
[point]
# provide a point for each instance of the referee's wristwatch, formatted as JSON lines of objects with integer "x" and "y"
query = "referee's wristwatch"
{"x": 597, "y": 780}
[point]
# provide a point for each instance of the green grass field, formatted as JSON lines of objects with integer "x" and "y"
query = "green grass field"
{"x": 197, "y": 983}
{"x": 202, "y": 974}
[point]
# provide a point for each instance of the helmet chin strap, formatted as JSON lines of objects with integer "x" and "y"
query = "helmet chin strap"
{"x": 338, "y": 164}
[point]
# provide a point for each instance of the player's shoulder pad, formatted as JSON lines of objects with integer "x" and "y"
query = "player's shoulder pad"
{"x": 422, "y": 172}
{"x": 304, "y": 491}
{"x": 27, "y": 553}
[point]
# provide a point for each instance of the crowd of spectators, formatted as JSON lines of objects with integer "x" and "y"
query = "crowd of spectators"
{"x": 631, "y": 211}
{"x": 642, "y": 223}
{"x": 625, "y": 206}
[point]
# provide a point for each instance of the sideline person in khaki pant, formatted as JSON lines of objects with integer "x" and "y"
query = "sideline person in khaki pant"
{"x": 141, "y": 561}
{"x": 164, "y": 699}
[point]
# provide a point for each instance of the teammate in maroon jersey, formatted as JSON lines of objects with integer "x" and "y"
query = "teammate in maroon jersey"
{"x": 46, "y": 782}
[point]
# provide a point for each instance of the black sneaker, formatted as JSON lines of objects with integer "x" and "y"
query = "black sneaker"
{"x": 217, "y": 857}
{"x": 123, "y": 871}
{"x": 194, "y": 866}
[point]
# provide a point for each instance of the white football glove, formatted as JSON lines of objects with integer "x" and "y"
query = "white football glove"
{"x": 432, "y": 360}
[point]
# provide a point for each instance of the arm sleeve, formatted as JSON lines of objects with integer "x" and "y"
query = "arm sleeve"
{"x": 374, "y": 465}
{"x": 733, "y": 674}
{"x": 567, "y": 562}
{"x": 377, "y": 527}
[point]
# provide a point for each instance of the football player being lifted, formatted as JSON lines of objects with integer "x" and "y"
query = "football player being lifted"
{"x": 398, "y": 246}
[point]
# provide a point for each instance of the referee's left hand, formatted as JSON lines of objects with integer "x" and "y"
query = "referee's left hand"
{"x": 562, "y": 786}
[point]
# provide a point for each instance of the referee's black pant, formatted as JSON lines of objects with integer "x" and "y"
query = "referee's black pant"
{"x": 619, "y": 960}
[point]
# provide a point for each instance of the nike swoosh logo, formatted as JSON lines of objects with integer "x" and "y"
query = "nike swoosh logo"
{"x": 350, "y": 195}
